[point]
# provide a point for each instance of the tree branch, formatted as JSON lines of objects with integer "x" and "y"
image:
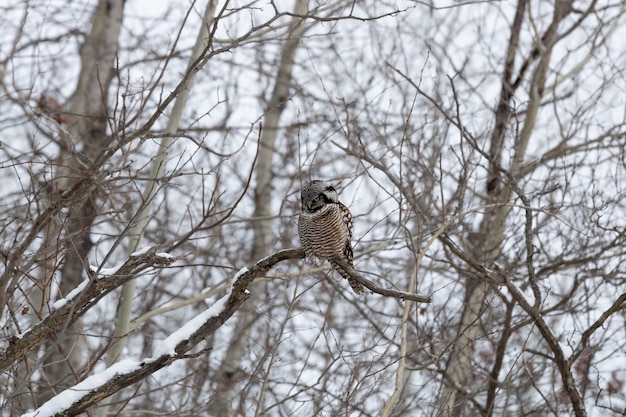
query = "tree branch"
{"x": 129, "y": 375}
{"x": 132, "y": 374}
{"x": 618, "y": 305}
{"x": 382, "y": 291}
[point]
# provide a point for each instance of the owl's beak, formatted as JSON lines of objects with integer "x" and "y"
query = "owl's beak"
{"x": 308, "y": 204}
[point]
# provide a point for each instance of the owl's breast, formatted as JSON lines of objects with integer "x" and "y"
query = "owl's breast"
{"x": 324, "y": 233}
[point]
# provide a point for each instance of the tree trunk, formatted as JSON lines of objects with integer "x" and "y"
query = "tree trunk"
{"x": 228, "y": 373}
{"x": 125, "y": 306}
{"x": 485, "y": 245}
{"x": 67, "y": 238}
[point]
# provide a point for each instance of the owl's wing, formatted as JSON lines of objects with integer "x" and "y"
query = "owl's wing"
{"x": 347, "y": 219}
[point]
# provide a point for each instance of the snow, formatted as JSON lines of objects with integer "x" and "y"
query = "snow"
{"x": 113, "y": 270}
{"x": 105, "y": 271}
{"x": 140, "y": 252}
{"x": 61, "y": 302}
{"x": 167, "y": 346}
{"x": 240, "y": 273}
{"x": 65, "y": 399}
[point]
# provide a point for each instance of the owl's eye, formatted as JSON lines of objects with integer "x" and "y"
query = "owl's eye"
{"x": 316, "y": 199}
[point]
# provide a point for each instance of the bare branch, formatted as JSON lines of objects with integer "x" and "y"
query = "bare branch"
{"x": 378, "y": 290}
{"x": 239, "y": 294}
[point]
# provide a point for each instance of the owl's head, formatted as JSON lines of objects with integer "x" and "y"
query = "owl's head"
{"x": 316, "y": 195}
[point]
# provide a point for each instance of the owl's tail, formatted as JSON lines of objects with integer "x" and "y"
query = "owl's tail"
{"x": 356, "y": 286}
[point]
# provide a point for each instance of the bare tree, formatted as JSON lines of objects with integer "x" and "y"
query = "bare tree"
{"x": 229, "y": 370}
{"x": 151, "y": 169}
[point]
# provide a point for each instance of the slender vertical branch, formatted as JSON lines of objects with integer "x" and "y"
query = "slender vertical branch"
{"x": 262, "y": 225}
{"x": 137, "y": 228}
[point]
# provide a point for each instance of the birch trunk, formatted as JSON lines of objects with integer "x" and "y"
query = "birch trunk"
{"x": 262, "y": 244}
{"x": 125, "y": 306}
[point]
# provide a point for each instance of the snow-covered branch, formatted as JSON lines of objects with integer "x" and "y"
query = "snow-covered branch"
{"x": 77, "y": 302}
{"x": 94, "y": 389}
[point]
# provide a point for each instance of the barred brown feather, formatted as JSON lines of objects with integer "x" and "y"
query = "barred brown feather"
{"x": 325, "y": 228}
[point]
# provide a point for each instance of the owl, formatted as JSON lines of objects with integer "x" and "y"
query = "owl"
{"x": 325, "y": 228}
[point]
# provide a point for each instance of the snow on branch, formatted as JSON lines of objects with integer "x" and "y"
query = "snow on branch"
{"x": 168, "y": 346}
{"x": 71, "y": 307}
{"x": 60, "y": 402}
{"x": 96, "y": 388}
